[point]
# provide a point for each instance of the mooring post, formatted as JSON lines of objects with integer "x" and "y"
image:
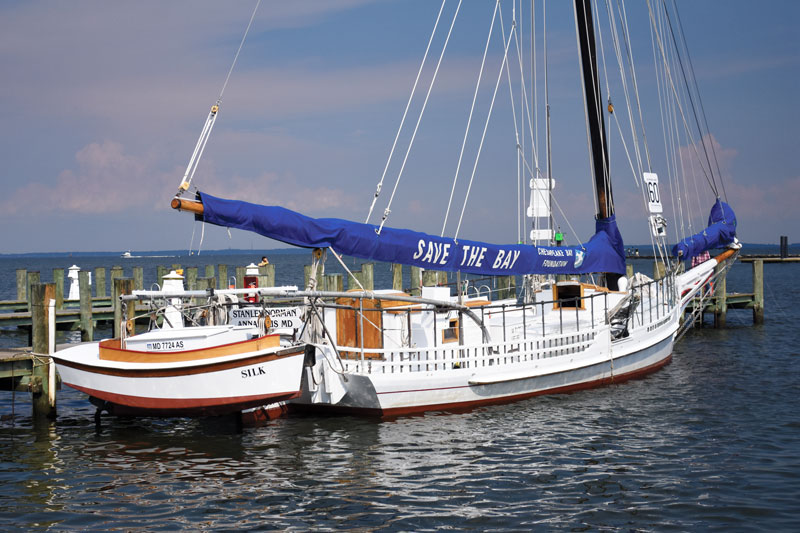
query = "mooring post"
{"x": 58, "y": 279}
{"x": 85, "y": 290}
{"x": 659, "y": 270}
{"x": 721, "y": 298}
{"x": 416, "y": 280}
{"x": 222, "y": 276}
{"x": 397, "y": 277}
{"x": 368, "y": 273}
{"x": 161, "y": 271}
{"x": 138, "y": 278}
{"x": 354, "y": 279}
{"x": 629, "y": 271}
{"x": 116, "y": 272}
{"x": 334, "y": 282}
{"x": 22, "y": 284}
{"x": 43, "y": 330}
{"x": 240, "y": 272}
{"x": 191, "y": 278}
{"x": 209, "y": 271}
{"x": 176, "y": 266}
{"x": 100, "y": 282}
{"x": 266, "y": 276}
{"x": 34, "y": 278}
{"x": 430, "y": 278}
{"x": 121, "y": 286}
{"x": 758, "y": 291}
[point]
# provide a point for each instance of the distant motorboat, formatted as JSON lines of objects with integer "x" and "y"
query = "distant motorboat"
{"x": 126, "y": 255}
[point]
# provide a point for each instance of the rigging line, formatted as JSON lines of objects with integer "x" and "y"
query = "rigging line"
{"x": 632, "y": 67}
{"x": 675, "y": 94}
{"x": 511, "y": 98}
{"x": 485, "y": 128}
{"x": 405, "y": 113}
{"x": 469, "y": 119}
{"x": 689, "y": 93}
{"x": 241, "y": 44}
{"x": 699, "y": 98}
{"x": 626, "y": 92}
{"x": 200, "y": 147}
{"x": 419, "y": 119}
{"x": 338, "y": 258}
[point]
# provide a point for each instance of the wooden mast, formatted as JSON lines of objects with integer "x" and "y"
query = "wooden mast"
{"x": 594, "y": 107}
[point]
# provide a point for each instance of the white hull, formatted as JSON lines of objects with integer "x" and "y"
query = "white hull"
{"x": 459, "y": 376}
{"x": 198, "y": 385}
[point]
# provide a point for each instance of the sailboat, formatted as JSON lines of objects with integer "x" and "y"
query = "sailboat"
{"x": 580, "y": 321}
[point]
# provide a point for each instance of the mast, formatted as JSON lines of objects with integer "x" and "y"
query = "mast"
{"x": 594, "y": 108}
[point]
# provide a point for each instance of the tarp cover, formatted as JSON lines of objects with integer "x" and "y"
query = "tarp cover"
{"x": 603, "y": 253}
{"x": 720, "y": 232}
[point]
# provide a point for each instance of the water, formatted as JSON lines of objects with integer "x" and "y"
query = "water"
{"x": 712, "y": 441}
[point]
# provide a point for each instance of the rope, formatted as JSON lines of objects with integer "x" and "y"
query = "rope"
{"x": 219, "y": 100}
{"x": 348, "y": 270}
{"x": 419, "y": 119}
{"x": 405, "y": 113}
{"x": 485, "y": 128}
{"x": 469, "y": 119}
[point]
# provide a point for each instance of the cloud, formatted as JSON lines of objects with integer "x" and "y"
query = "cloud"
{"x": 107, "y": 180}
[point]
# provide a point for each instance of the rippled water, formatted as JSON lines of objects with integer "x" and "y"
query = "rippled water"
{"x": 712, "y": 441}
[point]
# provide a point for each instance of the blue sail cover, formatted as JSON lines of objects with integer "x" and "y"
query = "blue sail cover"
{"x": 720, "y": 232}
{"x": 603, "y": 253}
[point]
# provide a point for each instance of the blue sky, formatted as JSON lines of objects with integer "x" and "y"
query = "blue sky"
{"x": 103, "y": 103}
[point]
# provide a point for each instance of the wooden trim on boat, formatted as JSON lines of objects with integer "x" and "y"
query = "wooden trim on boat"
{"x": 725, "y": 255}
{"x": 187, "y": 205}
{"x": 110, "y": 350}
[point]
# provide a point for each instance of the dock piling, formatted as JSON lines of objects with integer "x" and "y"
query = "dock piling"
{"x": 43, "y": 342}
{"x": 100, "y": 282}
{"x": 22, "y": 284}
{"x": 758, "y": 291}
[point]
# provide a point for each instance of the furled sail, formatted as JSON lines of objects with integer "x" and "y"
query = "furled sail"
{"x": 720, "y": 232}
{"x": 603, "y": 253}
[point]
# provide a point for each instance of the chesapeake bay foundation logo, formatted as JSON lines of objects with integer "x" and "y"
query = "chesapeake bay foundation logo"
{"x": 579, "y": 255}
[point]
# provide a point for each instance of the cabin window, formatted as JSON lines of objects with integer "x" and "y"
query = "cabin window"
{"x": 450, "y": 333}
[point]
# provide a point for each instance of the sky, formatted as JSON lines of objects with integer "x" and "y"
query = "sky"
{"x": 103, "y": 103}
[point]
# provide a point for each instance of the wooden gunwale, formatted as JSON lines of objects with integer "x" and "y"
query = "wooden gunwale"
{"x": 111, "y": 350}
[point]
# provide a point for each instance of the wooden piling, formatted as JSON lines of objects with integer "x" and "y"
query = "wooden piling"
{"x": 266, "y": 276}
{"x": 416, "y": 280}
{"x": 506, "y": 287}
{"x": 85, "y": 290}
{"x": 34, "y": 278}
{"x": 758, "y": 291}
{"x": 628, "y": 271}
{"x": 333, "y": 282}
{"x": 138, "y": 278}
{"x": 191, "y": 278}
{"x": 397, "y": 277}
{"x": 121, "y": 286}
{"x": 659, "y": 270}
{"x": 22, "y": 284}
{"x": 209, "y": 271}
{"x": 58, "y": 279}
{"x": 368, "y": 273}
{"x": 176, "y": 266}
{"x": 430, "y": 278}
{"x": 161, "y": 271}
{"x": 43, "y": 376}
{"x": 222, "y": 276}
{"x": 240, "y": 271}
{"x": 721, "y": 307}
{"x": 100, "y": 282}
{"x": 116, "y": 272}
